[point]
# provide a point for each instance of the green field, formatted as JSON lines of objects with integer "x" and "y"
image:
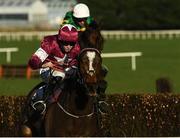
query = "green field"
{"x": 161, "y": 58}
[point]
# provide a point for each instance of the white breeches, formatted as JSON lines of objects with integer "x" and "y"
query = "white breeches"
{"x": 46, "y": 73}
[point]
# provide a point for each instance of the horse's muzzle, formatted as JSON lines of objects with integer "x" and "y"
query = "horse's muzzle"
{"x": 91, "y": 72}
{"x": 92, "y": 94}
{"x": 90, "y": 79}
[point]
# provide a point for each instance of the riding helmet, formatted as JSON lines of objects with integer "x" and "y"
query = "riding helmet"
{"x": 68, "y": 33}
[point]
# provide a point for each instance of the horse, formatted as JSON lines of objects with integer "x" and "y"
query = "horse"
{"x": 75, "y": 112}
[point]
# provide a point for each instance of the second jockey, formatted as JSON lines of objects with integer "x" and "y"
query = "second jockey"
{"x": 56, "y": 51}
{"x": 79, "y": 17}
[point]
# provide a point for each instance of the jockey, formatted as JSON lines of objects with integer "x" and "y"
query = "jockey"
{"x": 56, "y": 51}
{"x": 79, "y": 17}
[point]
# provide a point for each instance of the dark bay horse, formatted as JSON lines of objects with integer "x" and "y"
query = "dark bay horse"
{"x": 75, "y": 113}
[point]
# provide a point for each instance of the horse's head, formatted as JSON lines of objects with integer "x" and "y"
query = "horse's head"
{"x": 90, "y": 67}
{"x": 91, "y": 38}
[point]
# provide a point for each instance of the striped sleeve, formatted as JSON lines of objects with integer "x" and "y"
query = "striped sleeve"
{"x": 41, "y": 54}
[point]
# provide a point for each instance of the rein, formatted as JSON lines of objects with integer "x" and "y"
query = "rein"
{"x": 72, "y": 115}
{"x": 82, "y": 81}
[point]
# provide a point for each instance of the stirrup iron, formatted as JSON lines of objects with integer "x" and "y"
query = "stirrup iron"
{"x": 100, "y": 109}
{"x": 39, "y": 102}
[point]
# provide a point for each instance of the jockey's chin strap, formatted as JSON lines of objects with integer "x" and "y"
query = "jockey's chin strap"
{"x": 75, "y": 116}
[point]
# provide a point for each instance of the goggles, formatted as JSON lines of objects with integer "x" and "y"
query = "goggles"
{"x": 80, "y": 19}
{"x": 65, "y": 43}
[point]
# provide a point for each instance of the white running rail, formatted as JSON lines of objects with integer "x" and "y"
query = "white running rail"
{"x": 107, "y": 34}
{"x": 8, "y": 52}
{"x": 124, "y": 54}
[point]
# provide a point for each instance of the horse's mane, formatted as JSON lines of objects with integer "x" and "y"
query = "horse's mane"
{"x": 91, "y": 38}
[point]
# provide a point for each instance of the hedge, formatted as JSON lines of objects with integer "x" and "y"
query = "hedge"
{"x": 130, "y": 115}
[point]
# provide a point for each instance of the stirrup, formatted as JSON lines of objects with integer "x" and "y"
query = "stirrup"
{"x": 41, "y": 103}
{"x": 101, "y": 110}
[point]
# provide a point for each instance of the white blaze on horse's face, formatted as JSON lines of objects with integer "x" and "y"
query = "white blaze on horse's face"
{"x": 91, "y": 56}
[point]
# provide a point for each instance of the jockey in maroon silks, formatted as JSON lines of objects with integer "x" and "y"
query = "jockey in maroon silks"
{"x": 56, "y": 51}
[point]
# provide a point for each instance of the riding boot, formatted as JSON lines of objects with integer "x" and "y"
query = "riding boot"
{"x": 103, "y": 105}
{"x": 57, "y": 89}
{"x": 40, "y": 97}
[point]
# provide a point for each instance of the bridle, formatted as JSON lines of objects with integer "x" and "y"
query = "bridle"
{"x": 89, "y": 49}
{"x": 88, "y": 86}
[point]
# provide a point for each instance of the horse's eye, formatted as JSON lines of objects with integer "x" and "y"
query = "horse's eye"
{"x": 84, "y": 60}
{"x": 95, "y": 62}
{"x": 97, "y": 59}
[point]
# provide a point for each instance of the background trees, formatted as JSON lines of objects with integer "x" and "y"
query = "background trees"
{"x": 136, "y": 14}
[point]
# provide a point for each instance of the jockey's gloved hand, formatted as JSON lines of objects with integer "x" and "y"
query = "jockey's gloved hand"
{"x": 71, "y": 72}
{"x": 58, "y": 79}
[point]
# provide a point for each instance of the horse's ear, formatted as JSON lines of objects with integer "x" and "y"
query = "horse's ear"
{"x": 94, "y": 25}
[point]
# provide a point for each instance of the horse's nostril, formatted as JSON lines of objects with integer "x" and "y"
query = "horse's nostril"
{"x": 91, "y": 72}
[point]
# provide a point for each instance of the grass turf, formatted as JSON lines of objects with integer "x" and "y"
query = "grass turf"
{"x": 161, "y": 58}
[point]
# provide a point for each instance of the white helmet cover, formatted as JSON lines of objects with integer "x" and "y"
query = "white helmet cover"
{"x": 81, "y": 11}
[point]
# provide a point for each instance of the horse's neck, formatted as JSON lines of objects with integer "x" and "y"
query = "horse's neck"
{"x": 91, "y": 39}
{"x": 77, "y": 103}
{"x": 82, "y": 102}
{"x": 74, "y": 100}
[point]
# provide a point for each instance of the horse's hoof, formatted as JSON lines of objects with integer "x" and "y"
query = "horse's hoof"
{"x": 26, "y": 131}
